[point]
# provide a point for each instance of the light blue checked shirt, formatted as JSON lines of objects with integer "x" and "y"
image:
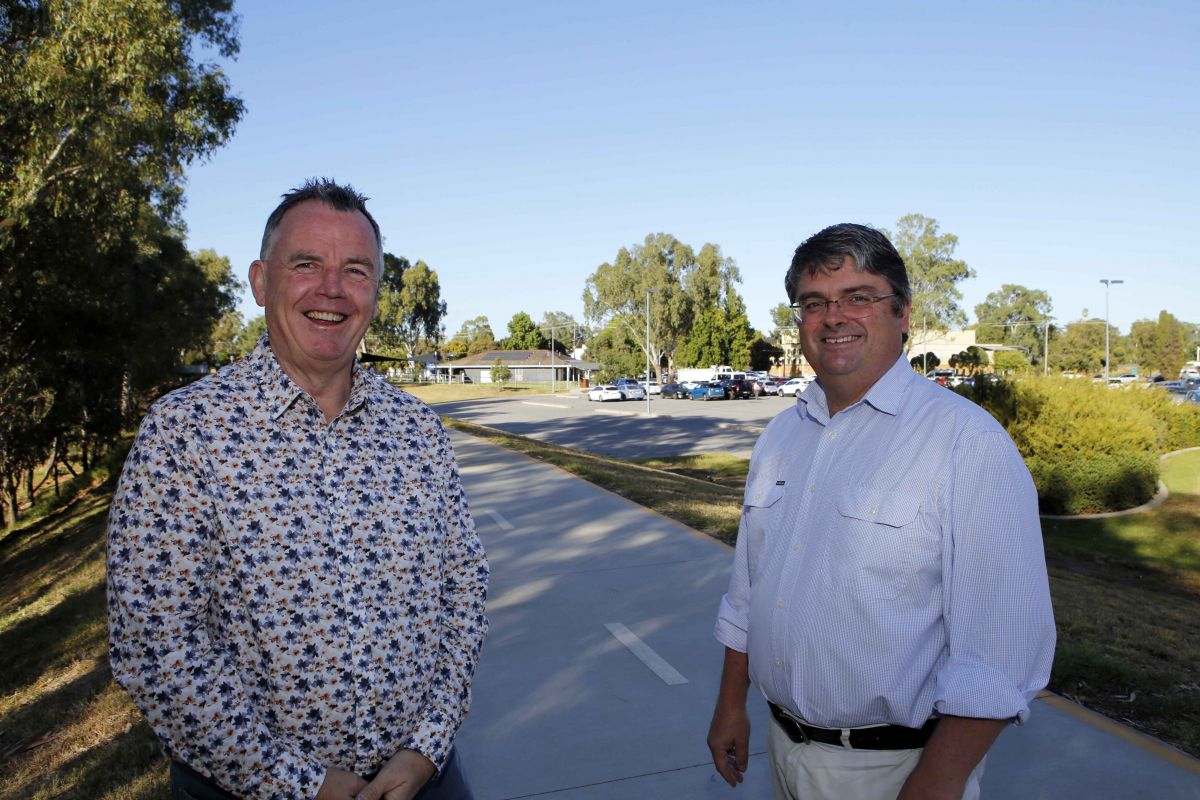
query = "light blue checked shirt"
{"x": 889, "y": 562}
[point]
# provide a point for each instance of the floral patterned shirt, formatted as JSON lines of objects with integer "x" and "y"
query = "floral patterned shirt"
{"x": 286, "y": 594}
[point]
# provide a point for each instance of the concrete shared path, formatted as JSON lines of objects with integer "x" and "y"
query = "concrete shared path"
{"x": 598, "y": 677}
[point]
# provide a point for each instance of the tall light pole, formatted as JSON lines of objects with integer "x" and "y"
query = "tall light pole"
{"x": 1106, "y": 282}
{"x": 647, "y": 351}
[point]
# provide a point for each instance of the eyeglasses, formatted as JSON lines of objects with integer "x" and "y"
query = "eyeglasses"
{"x": 854, "y": 306}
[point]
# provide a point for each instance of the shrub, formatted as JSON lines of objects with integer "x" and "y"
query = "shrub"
{"x": 1088, "y": 448}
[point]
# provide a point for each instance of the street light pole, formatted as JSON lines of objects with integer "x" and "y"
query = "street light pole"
{"x": 647, "y": 351}
{"x": 1106, "y": 282}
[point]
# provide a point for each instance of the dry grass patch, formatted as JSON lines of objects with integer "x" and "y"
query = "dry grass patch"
{"x": 66, "y": 729}
{"x": 450, "y": 392}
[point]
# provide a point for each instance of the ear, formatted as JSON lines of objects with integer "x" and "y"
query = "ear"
{"x": 258, "y": 282}
{"x": 904, "y": 317}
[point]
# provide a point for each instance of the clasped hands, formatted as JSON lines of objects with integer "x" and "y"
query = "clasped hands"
{"x": 400, "y": 779}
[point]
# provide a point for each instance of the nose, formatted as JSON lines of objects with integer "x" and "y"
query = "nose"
{"x": 331, "y": 282}
{"x": 832, "y": 306}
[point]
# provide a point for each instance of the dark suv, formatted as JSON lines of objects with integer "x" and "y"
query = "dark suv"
{"x": 740, "y": 387}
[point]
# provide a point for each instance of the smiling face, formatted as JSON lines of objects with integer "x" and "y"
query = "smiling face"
{"x": 319, "y": 285}
{"x": 850, "y": 355}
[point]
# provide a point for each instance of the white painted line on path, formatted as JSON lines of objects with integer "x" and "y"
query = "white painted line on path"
{"x": 499, "y": 520}
{"x": 651, "y": 659}
{"x": 543, "y": 405}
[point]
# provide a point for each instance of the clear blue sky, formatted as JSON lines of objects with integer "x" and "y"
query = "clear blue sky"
{"x": 516, "y": 146}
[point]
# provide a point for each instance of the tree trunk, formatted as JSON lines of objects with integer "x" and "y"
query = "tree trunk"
{"x": 29, "y": 485}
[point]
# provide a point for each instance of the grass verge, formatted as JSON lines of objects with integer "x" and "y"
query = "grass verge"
{"x": 451, "y": 392}
{"x": 1126, "y": 590}
{"x": 66, "y": 729}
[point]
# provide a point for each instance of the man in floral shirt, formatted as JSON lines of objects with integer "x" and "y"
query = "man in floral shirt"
{"x": 296, "y": 588}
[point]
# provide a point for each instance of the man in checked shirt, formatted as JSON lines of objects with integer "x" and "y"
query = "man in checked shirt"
{"x": 296, "y": 588}
{"x": 889, "y": 593}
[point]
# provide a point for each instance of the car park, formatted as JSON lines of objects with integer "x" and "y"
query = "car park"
{"x": 708, "y": 391}
{"x": 790, "y": 388}
{"x": 676, "y": 390}
{"x": 605, "y": 392}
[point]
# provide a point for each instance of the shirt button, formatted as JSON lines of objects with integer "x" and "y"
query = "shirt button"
{"x": 874, "y": 511}
{"x": 778, "y": 662}
{"x": 833, "y": 434}
{"x": 781, "y": 604}
{"x": 796, "y": 546}
{"x": 812, "y": 488}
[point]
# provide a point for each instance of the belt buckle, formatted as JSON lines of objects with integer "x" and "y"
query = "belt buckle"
{"x": 797, "y": 724}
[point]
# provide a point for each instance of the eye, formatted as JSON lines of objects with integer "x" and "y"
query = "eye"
{"x": 812, "y": 306}
{"x": 857, "y": 300}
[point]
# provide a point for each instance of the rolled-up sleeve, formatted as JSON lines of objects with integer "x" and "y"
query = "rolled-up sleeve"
{"x": 996, "y": 599}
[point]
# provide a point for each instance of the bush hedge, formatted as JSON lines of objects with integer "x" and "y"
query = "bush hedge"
{"x": 1089, "y": 448}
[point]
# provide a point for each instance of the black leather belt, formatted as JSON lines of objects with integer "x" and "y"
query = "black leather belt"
{"x": 882, "y": 737}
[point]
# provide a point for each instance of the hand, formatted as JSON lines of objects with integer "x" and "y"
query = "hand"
{"x": 401, "y": 777}
{"x": 729, "y": 742}
{"x": 340, "y": 785}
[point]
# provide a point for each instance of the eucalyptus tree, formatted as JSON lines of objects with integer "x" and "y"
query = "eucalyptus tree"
{"x": 933, "y": 272}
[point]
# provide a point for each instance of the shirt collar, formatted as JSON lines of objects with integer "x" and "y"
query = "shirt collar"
{"x": 884, "y": 395}
{"x": 279, "y": 391}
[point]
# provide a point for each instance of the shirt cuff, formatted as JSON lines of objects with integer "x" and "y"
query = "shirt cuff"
{"x": 979, "y": 691}
{"x": 731, "y": 626}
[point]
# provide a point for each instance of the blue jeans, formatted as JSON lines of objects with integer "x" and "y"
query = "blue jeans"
{"x": 449, "y": 784}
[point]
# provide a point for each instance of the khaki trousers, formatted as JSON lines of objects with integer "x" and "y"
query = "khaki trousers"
{"x": 826, "y": 772}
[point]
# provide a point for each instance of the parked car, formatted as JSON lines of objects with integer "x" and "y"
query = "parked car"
{"x": 708, "y": 391}
{"x": 677, "y": 391}
{"x": 1192, "y": 396}
{"x": 789, "y": 388}
{"x": 741, "y": 387}
{"x": 769, "y": 385}
{"x": 652, "y": 387}
{"x": 631, "y": 391}
{"x": 605, "y": 392}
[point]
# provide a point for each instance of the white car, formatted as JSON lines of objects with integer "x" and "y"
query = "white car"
{"x": 653, "y": 387}
{"x": 602, "y": 393}
{"x": 632, "y": 391}
{"x": 789, "y": 388}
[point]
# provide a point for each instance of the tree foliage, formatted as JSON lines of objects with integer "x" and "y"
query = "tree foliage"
{"x": 1014, "y": 315}
{"x": 933, "y": 272}
{"x": 1161, "y": 346}
{"x": 781, "y": 319}
{"x": 1081, "y": 347}
{"x": 410, "y": 308}
{"x": 1008, "y": 362}
{"x": 565, "y": 331}
{"x": 102, "y": 106}
{"x": 676, "y": 285}
{"x": 617, "y": 352}
{"x": 475, "y": 336}
{"x": 523, "y": 334}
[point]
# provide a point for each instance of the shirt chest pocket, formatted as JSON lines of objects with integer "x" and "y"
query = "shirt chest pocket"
{"x": 761, "y": 521}
{"x": 881, "y": 542}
